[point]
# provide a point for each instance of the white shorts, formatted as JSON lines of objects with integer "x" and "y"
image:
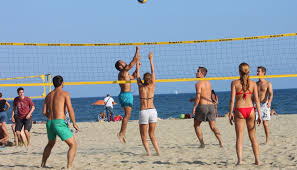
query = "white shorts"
{"x": 148, "y": 116}
{"x": 265, "y": 112}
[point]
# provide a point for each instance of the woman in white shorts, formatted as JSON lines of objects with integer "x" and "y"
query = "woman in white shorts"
{"x": 148, "y": 115}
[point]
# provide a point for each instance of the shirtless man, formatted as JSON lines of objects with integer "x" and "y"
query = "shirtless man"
{"x": 205, "y": 110}
{"x": 126, "y": 97}
{"x": 265, "y": 92}
{"x": 54, "y": 107}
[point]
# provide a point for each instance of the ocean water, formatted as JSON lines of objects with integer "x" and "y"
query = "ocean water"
{"x": 167, "y": 105}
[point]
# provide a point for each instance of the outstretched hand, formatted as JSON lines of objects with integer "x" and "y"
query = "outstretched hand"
{"x": 150, "y": 56}
{"x": 137, "y": 53}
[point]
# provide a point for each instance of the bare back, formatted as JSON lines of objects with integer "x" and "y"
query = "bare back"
{"x": 241, "y": 100}
{"x": 203, "y": 88}
{"x": 48, "y": 105}
{"x": 59, "y": 104}
{"x": 146, "y": 94}
{"x": 263, "y": 90}
{"x": 124, "y": 75}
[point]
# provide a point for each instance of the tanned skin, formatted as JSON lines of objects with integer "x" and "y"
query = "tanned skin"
{"x": 203, "y": 96}
{"x": 54, "y": 107}
{"x": 126, "y": 87}
{"x": 265, "y": 92}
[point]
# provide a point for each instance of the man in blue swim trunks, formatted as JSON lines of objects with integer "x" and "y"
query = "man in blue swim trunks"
{"x": 125, "y": 97}
{"x": 54, "y": 108}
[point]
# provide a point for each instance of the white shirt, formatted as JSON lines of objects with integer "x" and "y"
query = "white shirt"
{"x": 108, "y": 101}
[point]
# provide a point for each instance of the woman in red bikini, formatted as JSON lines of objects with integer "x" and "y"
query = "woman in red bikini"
{"x": 243, "y": 90}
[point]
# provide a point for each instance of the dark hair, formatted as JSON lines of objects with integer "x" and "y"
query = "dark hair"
{"x": 0, "y": 94}
{"x": 19, "y": 89}
{"x": 203, "y": 70}
{"x": 107, "y": 95}
{"x": 213, "y": 92}
{"x": 147, "y": 79}
{"x": 57, "y": 81}
{"x": 263, "y": 69}
{"x": 117, "y": 65}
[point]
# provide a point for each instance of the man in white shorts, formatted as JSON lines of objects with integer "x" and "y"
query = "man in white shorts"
{"x": 265, "y": 92}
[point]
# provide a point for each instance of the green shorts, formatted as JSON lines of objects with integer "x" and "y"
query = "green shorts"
{"x": 58, "y": 127}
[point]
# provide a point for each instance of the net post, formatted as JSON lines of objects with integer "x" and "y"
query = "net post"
{"x": 49, "y": 83}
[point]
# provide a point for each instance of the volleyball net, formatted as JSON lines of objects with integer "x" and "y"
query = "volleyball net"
{"x": 89, "y": 64}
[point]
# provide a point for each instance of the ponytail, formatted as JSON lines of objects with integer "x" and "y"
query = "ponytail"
{"x": 244, "y": 71}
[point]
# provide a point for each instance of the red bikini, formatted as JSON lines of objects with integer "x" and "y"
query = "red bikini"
{"x": 244, "y": 111}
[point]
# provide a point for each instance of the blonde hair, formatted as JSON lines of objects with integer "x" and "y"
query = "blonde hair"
{"x": 244, "y": 71}
{"x": 147, "y": 78}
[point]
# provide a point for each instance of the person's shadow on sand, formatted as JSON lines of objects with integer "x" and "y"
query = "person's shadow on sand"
{"x": 194, "y": 162}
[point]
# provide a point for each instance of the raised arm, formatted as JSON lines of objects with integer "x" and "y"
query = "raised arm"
{"x": 139, "y": 82}
{"x": 71, "y": 111}
{"x": 133, "y": 76}
{"x": 133, "y": 62}
{"x": 197, "y": 99}
{"x": 270, "y": 91}
{"x": 152, "y": 67}
{"x": 257, "y": 101}
{"x": 232, "y": 101}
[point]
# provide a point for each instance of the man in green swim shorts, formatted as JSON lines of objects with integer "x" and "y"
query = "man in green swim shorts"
{"x": 125, "y": 97}
{"x": 54, "y": 107}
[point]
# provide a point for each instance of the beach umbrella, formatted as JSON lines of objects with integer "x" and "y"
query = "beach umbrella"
{"x": 100, "y": 102}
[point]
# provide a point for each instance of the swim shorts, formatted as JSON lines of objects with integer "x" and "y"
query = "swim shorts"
{"x": 265, "y": 111}
{"x": 148, "y": 116}
{"x": 126, "y": 99}
{"x": 3, "y": 117}
{"x": 205, "y": 112}
{"x": 58, "y": 127}
{"x": 20, "y": 123}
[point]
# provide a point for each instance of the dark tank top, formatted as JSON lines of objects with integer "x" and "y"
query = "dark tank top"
{"x": 2, "y": 105}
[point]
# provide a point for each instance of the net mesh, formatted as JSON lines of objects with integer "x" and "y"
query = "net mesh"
{"x": 172, "y": 61}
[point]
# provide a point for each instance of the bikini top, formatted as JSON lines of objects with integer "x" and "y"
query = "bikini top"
{"x": 244, "y": 94}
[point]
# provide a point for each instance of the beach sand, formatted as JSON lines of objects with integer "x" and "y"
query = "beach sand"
{"x": 99, "y": 147}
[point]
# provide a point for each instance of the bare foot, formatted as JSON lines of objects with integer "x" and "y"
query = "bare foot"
{"x": 202, "y": 146}
{"x": 121, "y": 138}
{"x": 257, "y": 163}
{"x": 238, "y": 163}
{"x": 221, "y": 145}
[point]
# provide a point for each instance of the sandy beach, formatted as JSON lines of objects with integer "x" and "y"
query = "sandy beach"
{"x": 99, "y": 147}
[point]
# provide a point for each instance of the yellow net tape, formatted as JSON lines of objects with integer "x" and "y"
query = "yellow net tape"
{"x": 152, "y": 43}
{"x": 134, "y": 81}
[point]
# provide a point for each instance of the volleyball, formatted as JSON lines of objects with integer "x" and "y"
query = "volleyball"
{"x": 142, "y": 1}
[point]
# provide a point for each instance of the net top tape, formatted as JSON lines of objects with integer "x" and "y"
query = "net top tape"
{"x": 151, "y": 43}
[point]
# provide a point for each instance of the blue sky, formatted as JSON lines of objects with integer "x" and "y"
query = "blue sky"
{"x": 98, "y": 21}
